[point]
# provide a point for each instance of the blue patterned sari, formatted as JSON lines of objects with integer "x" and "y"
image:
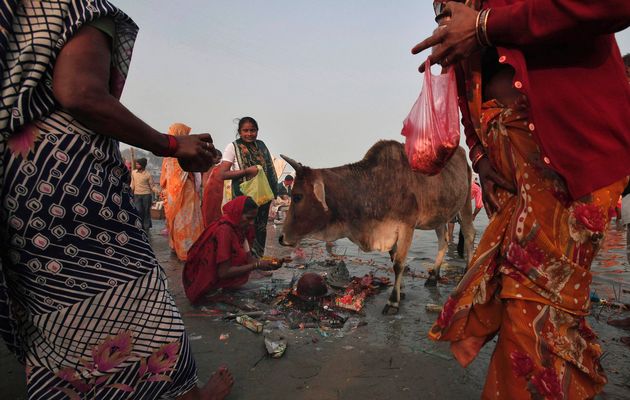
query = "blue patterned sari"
{"x": 83, "y": 301}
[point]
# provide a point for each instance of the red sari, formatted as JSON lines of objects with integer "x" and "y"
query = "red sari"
{"x": 222, "y": 241}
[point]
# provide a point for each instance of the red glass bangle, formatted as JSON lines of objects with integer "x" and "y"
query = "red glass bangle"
{"x": 172, "y": 146}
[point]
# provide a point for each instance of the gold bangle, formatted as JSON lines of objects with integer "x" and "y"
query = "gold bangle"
{"x": 477, "y": 30}
{"x": 484, "y": 27}
{"x": 476, "y": 161}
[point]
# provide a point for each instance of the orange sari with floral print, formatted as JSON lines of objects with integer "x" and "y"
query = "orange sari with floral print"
{"x": 529, "y": 278}
{"x": 182, "y": 203}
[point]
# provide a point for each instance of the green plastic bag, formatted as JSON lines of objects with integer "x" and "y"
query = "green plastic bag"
{"x": 258, "y": 188}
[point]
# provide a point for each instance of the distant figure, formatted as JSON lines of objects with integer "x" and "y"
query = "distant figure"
{"x": 142, "y": 187}
{"x": 240, "y": 160}
{"x": 212, "y": 194}
{"x": 222, "y": 257}
{"x": 182, "y": 203}
{"x": 284, "y": 187}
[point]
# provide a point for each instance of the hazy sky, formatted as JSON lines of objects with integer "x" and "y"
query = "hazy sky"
{"x": 324, "y": 79}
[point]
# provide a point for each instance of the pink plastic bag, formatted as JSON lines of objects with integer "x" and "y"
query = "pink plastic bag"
{"x": 432, "y": 126}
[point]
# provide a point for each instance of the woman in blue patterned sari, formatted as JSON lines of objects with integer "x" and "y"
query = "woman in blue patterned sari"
{"x": 83, "y": 301}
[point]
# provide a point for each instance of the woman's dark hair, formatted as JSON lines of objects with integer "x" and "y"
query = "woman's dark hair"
{"x": 245, "y": 120}
{"x": 626, "y": 60}
{"x": 249, "y": 205}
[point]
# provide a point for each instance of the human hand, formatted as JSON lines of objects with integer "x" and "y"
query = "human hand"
{"x": 251, "y": 172}
{"x": 195, "y": 153}
{"x": 490, "y": 181}
{"x": 455, "y": 39}
{"x": 267, "y": 264}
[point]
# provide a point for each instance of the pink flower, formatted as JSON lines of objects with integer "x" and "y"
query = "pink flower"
{"x": 536, "y": 255}
{"x": 547, "y": 384}
{"x": 590, "y": 216}
{"x": 23, "y": 140}
{"x": 164, "y": 358}
{"x": 448, "y": 310}
{"x": 522, "y": 364}
{"x": 112, "y": 352}
{"x": 525, "y": 258}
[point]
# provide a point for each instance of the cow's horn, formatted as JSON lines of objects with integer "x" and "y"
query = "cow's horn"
{"x": 296, "y": 165}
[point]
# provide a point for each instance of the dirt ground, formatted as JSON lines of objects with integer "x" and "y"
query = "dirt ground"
{"x": 389, "y": 357}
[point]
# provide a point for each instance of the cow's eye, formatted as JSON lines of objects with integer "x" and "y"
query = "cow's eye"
{"x": 296, "y": 198}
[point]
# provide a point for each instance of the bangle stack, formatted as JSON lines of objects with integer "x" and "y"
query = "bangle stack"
{"x": 481, "y": 31}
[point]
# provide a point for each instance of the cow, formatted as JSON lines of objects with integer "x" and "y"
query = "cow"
{"x": 377, "y": 203}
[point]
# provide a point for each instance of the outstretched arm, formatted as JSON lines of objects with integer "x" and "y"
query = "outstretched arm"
{"x": 81, "y": 85}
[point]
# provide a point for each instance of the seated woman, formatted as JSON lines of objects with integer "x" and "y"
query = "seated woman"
{"x": 222, "y": 257}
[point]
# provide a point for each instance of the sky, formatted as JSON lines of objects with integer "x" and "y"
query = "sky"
{"x": 324, "y": 79}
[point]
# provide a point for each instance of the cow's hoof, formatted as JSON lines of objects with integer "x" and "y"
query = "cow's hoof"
{"x": 432, "y": 280}
{"x": 390, "y": 309}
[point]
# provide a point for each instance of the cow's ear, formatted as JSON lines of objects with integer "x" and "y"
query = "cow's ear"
{"x": 320, "y": 192}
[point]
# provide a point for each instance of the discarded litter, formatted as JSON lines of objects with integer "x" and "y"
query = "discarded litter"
{"x": 224, "y": 337}
{"x": 250, "y": 323}
{"x": 434, "y": 308}
{"x": 194, "y": 336}
{"x": 276, "y": 345}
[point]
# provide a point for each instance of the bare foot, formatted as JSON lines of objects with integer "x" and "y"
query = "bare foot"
{"x": 219, "y": 385}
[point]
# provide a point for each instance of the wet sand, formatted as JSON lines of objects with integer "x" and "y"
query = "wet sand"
{"x": 389, "y": 357}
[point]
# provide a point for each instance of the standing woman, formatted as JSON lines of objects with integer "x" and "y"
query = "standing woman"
{"x": 142, "y": 188}
{"x": 182, "y": 204}
{"x": 550, "y": 168}
{"x": 83, "y": 301}
{"x": 240, "y": 160}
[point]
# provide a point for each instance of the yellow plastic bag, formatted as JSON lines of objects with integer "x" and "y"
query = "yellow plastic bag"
{"x": 258, "y": 188}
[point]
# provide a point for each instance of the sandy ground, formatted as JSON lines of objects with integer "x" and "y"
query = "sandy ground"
{"x": 389, "y": 357}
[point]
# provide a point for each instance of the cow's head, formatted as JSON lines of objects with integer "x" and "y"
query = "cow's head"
{"x": 309, "y": 212}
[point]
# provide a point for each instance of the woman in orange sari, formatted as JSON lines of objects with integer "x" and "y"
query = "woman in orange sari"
{"x": 529, "y": 278}
{"x": 182, "y": 203}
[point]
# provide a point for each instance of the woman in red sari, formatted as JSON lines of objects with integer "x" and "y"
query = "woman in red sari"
{"x": 222, "y": 257}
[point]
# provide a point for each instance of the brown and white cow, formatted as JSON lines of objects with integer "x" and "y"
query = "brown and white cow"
{"x": 377, "y": 203}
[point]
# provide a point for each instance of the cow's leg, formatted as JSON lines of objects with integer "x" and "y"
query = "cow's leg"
{"x": 434, "y": 274}
{"x": 399, "y": 256}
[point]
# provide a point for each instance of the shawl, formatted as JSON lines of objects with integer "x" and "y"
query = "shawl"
{"x": 250, "y": 154}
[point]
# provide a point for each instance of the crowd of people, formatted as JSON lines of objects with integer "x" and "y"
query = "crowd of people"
{"x": 84, "y": 302}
